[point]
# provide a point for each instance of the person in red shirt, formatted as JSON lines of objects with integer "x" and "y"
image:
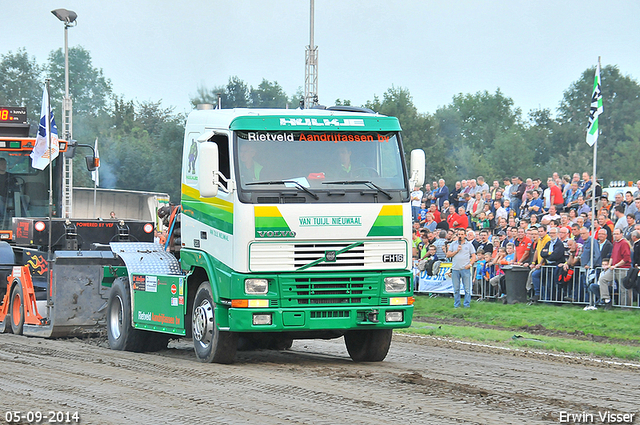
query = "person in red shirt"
{"x": 523, "y": 246}
{"x": 555, "y": 195}
{"x": 452, "y": 216}
{"x": 433, "y": 209}
{"x": 458, "y": 220}
{"x": 617, "y": 267}
{"x": 462, "y": 220}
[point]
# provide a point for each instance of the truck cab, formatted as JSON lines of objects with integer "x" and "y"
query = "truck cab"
{"x": 295, "y": 224}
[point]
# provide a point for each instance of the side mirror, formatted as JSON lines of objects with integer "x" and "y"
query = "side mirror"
{"x": 418, "y": 164}
{"x": 93, "y": 162}
{"x": 208, "y": 169}
{"x": 71, "y": 149}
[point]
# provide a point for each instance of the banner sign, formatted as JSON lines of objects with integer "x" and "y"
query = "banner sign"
{"x": 439, "y": 284}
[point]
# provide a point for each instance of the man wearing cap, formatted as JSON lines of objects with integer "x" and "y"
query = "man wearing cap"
{"x": 502, "y": 239}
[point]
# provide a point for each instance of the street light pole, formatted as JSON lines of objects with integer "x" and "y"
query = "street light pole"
{"x": 311, "y": 67}
{"x": 69, "y": 18}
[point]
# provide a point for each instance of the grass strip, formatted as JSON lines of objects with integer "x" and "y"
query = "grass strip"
{"x": 622, "y": 324}
{"x": 561, "y": 328}
{"x": 505, "y": 338}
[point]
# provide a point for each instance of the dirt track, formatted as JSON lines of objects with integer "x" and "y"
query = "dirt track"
{"x": 421, "y": 381}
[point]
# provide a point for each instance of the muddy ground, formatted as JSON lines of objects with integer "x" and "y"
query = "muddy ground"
{"x": 422, "y": 381}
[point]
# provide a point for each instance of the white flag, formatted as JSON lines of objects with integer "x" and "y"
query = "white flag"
{"x": 596, "y": 109}
{"x": 41, "y": 152}
{"x": 95, "y": 174}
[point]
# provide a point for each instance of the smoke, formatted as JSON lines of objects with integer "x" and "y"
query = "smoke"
{"x": 108, "y": 178}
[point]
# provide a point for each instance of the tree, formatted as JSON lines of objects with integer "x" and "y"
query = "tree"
{"x": 207, "y": 96}
{"x": 268, "y": 95}
{"x": 236, "y": 94}
{"x": 88, "y": 88}
{"x": 621, "y": 101}
{"x": 470, "y": 127}
{"x": 21, "y": 84}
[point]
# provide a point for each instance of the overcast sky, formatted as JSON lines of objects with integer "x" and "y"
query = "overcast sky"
{"x": 152, "y": 50}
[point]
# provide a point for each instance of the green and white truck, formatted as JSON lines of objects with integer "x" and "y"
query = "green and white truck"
{"x": 294, "y": 224}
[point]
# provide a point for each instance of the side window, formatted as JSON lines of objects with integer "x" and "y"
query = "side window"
{"x": 223, "y": 156}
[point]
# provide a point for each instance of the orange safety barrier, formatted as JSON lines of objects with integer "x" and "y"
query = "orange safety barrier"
{"x": 22, "y": 275}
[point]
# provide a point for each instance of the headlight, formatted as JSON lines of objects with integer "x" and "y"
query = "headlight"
{"x": 395, "y": 284}
{"x": 256, "y": 286}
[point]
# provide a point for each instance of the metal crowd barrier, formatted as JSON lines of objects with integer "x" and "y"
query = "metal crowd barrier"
{"x": 482, "y": 289}
{"x": 583, "y": 287}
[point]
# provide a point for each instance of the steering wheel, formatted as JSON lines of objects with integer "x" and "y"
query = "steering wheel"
{"x": 365, "y": 172}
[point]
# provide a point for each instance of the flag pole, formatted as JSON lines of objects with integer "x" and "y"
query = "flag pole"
{"x": 95, "y": 175}
{"x": 48, "y": 129}
{"x": 95, "y": 185}
{"x": 95, "y": 189}
{"x": 595, "y": 160}
{"x": 593, "y": 199}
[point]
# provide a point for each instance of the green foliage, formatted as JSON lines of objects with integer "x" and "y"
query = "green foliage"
{"x": 417, "y": 129}
{"x": 88, "y": 88}
{"x": 237, "y": 94}
{"x": 621, "y": 102}
{"x": 268, "y": 95}
{"x": 21, "y": 84}
{"x": 476, "y": 134}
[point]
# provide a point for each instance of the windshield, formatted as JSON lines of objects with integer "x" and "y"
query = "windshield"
{"x": 24, "y": 191}
{"x": 324, "y": 163}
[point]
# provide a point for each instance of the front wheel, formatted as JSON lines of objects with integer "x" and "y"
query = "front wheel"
{"x": 368, "y": 345}
{"x": 210, "y": 344}
{"x": 17, "y": 309}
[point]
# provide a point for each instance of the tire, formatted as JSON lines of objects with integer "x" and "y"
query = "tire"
{"x": 210, "y": 344}
{"x": 120, "y": 332}
{"x": 17, "y": 309}
{"x": 368, "y": 346}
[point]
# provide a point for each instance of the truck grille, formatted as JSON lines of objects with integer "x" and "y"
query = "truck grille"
{"x": 329, "y": 290}
{"x": 304, "y": 254}
{"x": 329, "y": 314}
{"x": 291, "y": 256}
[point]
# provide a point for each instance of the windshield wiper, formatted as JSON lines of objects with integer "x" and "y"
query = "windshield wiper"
{"x": 316, "y": 197}
{"x": 365, "y": 182}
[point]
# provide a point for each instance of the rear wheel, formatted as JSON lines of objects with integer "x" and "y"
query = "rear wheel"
{"x": 368, "y": 346}
{"x": 120, "y": 331}
{"x": 17, "y": 309}
{"x": 210, "y": 344}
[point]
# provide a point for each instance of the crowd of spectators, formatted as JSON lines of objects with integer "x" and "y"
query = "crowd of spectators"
{"x": 530, "y": 223}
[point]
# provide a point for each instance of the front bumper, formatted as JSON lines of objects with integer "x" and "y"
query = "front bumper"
{"x": 316, "y": 319}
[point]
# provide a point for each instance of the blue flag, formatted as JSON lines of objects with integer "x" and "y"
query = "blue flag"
{"x": 40, "y": 156}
